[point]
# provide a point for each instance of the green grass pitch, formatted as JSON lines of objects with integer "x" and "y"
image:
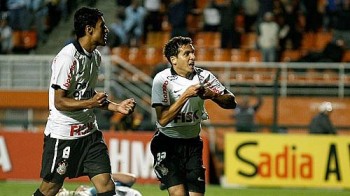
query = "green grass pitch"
{"x": 19, "y": 188}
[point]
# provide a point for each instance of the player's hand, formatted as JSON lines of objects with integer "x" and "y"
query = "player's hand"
{"x": 99, "y": 99}
{"x": 127, "y": 106}
{"x": 193, "y": 90}
{"x": 206, "y": 93}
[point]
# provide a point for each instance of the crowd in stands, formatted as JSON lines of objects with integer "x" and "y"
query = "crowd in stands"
{"x": 279, "y": 25}
{"x": 31, "y": 21}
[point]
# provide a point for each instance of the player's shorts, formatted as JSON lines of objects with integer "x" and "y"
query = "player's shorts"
{"x": 74, "y": 158}
{"x": 179, "y": 161}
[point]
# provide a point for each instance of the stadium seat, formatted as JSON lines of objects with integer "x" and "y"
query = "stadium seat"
{"x": 346, "y": 57}
{"x": 254, "y": 56}
{"x": 153, "y": 56}
{"x": 24, "y": 39}
{"x": 221, "y": 54}
{"x": 122, "y": 52}
{"x": 322, "y": 39}
{"x": 308, "y": 41}
{"x": 248, "y": 40}
{"x": 204, "y": 54}
{"x": 290, "y": 55}
{"x": 239, "y": 55}
{"x": 207, "y": 39}
{"x": 157, "y": 39}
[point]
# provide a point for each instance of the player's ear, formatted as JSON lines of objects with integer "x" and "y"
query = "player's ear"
{"x": 89, "y": 29}
{"x": 173, "y": 60}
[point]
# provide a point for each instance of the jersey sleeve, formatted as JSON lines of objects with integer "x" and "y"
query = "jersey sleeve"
{"x": 214, "y": 84}
{"x": 160, "y": 91}
{"x": 63, "y": 69}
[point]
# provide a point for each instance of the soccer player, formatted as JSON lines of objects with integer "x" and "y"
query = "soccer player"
{"x": 178, "y": 95}
{"x": 73, "y": 144}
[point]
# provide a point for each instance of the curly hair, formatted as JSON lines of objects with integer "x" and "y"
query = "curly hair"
{"x": 83, "y": 17}
{"x": 171, "y": 48}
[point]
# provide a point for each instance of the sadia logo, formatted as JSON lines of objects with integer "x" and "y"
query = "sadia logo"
{"x": 288, "y": 163}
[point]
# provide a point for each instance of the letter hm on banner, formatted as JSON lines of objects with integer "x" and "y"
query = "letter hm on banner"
{"x": 274, "y": 160}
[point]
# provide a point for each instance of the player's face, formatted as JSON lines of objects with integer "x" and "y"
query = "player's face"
{"x": 100, "y": 32}
{"x": 184, "y": 62}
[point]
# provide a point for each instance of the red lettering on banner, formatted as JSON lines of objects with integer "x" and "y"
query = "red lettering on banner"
{"x": 287, "y": 164}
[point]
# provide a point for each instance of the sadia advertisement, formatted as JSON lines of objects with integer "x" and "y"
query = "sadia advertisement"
{"x": 287, "y": 160}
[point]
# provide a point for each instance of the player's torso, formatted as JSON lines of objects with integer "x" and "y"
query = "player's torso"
{"x": 79, "y": 81}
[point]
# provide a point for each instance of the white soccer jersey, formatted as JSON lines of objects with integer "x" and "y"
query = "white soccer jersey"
{"x": 76, "y": 72}
{"x": 167, "y": 88}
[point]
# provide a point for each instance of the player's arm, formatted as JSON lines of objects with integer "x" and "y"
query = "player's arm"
{"x": 64, "y": 103}
{"x": 125, "y": 107}
{"x": 166, "y": 114}
{"x": 124, "y": 178}
{"x": 226, "y": 100}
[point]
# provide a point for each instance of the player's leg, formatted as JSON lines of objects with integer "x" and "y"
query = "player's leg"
{"x": 177, "y": 190}
{"x": 48, "y": 189}
{"x": 196, "y": 171}
{"x": 168, "y": 163}
{"x": 54, "y": 168}
{"x": 97, "y": 165}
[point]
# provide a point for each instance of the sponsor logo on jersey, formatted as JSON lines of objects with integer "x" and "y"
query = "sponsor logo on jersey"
{"x": 172, "y": 77}
{"x": 80, "y": 93}
{"x": 187, "y": 117}
{"x": 81, "y": 129}
{"x": 165, "y": 92}
{"x": 69, "y": 76}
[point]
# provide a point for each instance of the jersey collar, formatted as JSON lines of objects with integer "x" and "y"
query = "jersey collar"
{"x": 79, "y": 48}
{"x": 190, "y": 77}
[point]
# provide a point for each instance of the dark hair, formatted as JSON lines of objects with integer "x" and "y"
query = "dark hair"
{"x": 83, "y": 17}
{"x": 172, "y": 47}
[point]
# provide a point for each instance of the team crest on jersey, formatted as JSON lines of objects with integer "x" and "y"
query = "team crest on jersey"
{"x": 172, "y": 77}
{"x": 62, "y": 167}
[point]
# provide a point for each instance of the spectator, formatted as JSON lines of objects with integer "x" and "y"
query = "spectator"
{"x": 19, "y": 16}
{"x": 331, "y": 9}
{"x": 245, "y": 114}
{"x": 134, "y": 22}
{"x": 39, "y": 12}
{"x": 313, "y": 21}
{"x": 250, "y": 11}
{"x": 290, "y": 28}
{"x": 5, "y": 37}
{"x": 230, "y": 37}
{"x": 178, "y": 11}
{"x": 153, "y": 20}
{"x": 211, "y": 17}
{"x": 342, "y": 24}
{"x": 321, "y": 123}
{"x": 333, "y": 52}
{"x": 268, "y": 38}
{"x": 118, "y": 35}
